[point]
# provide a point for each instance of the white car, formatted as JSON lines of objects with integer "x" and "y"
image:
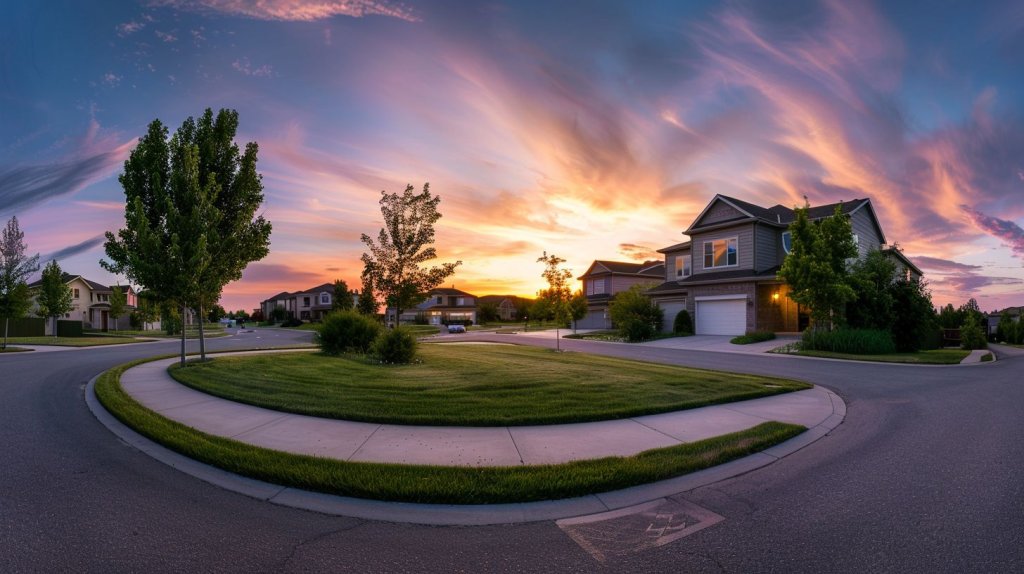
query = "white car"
{"x": 456, "y": 328}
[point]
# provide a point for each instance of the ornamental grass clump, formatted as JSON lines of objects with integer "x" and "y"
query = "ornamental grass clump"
{"x": 394, "y": 347}
{"x": 851, "y": 341}
{"x": 347, "y": 331}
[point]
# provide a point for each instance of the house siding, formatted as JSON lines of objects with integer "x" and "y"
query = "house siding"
{"x": 866, "y": 233}
{"x": 670, "y": 264}
{"x": 745, "y": 243}
{"x": 767, "y": 245}
{"x": 621, "y": 283}
{"x": 720, "y": 211}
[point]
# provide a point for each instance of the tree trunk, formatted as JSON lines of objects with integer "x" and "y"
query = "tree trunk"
{"x": 182, "y": 324}
{"x": 202, "y": 341}
{"x": 7, "y": 321}
{"x": 54, "y": 327}
{"x": 558, "y": 340}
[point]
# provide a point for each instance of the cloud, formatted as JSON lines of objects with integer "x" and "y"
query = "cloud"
{"x": 75, "y": 249}
{"x": 638, "y": 252}
{"x": 166, "y": 37}
{"x": 294, "y": 10}
{"x": 128, "y": 28}
{"x": 243, "y": 66}
{"x": 25, "y": 186}
{"x": 111, "y": 79}
{"x": 1009, "y": 232}
{"x": 279, "y": 274}
{"x": 942, "y": 265}
{"x": 970, "y": 282}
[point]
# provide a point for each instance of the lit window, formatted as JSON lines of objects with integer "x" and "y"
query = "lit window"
{"x": 683, "y": 265}
{"x": 787, "y": 242}
{"x": 721, "y": 253}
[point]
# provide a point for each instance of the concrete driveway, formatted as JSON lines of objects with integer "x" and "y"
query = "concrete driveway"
{"x": 719, "y": 344}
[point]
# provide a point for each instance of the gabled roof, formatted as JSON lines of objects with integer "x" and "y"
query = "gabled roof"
{"x": 449, "y": 291}
{"x": 676, "y": 247}
{"x": 647, "y": 268}
{"x": 777, "y": 215}
{"x": 898, "y": 254}
{"x": 68, "y": 278}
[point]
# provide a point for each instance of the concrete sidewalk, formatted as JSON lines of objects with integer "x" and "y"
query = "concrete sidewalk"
{"x": 466, "y": 446}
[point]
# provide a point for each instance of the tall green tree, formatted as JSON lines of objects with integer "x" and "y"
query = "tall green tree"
{"x": 15, "y": 269}
{"x": 557, "y": 294}
{"x": 367, "y": 299}
{"x": 404, "y": 244}
{"x": 577, "y": 307}
{"x": 816, "y": 268}
{"x": 190, "y": 216}
{"x": 872, "y": 306}
{"x": 342, "y": 300}
{"x": 54, "y": 297}
{"x": 1005, "y": 330}
{"x": 118, "y": 302}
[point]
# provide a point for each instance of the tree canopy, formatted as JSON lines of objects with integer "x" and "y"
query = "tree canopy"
{"x": 54, "y": 297}
{"x": 557, "y": 294}
{"x": 342, "y": 300}
{"x": 15, "y": 268}
{"x": 393, "y": 265}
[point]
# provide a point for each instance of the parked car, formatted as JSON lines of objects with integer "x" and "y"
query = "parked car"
{"x": 456, "y": 328}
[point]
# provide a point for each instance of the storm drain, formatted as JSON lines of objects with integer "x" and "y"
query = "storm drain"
{"x": 637, "y": 528}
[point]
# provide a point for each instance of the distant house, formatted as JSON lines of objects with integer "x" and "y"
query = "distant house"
{"x": 726, "y": 275}
{"x": 308, "y": 304}
{"x": 604, "y": 279}
{"x": 992, "y": 319}
{"x": 506, "y": 305}
{"x": 91, "y": 303}
{"x": 443, "y": 305}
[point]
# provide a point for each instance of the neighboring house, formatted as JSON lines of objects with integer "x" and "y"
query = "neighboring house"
{"x": 442, "y": 306}
{"x": 604, "y": 279}
{"x": 308, "y": 305}
{"x": 506, "y": 305}
{"x": 993, "y": 319}
{"x": 91, "y": 303}
{"x": 725, "y": 276}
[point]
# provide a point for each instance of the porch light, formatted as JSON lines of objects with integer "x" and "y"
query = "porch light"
{"x": 775, "y": 296}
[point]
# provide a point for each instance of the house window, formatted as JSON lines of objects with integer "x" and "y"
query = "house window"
{"x": 856, "y": 240}
{"x": 595, "y": 287}
{"x": 76, "y": 293}
{"x": 460, "y": 301}
{"x": 439, "y": 300}
{"x": 683, "y": 263}
{"x": 787, "y": 242}
{"x": 325, "y": 299}
{"x": 721, "y": 253}
{"x": 305, "y": 301}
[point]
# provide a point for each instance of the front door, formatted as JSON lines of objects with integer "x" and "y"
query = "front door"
{"x": 104, "y": 315}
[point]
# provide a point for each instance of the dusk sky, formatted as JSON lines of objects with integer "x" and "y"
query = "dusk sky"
{"x": 592, "y": 130}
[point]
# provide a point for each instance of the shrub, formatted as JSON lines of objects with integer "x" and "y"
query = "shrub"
{"x": 278, "y": 314}
{"x": 914, "y": 323}
{"x": 683, "y": 324}
{"x": 634, "y": 314}
{"x": 292, "y": 322}
{"x": 971, "y": 335}
{"x": 754, "y": 337}
{"x": 394, "y": 346}
{"x": 852, "y": 341}
{"x": 344, "y": 331}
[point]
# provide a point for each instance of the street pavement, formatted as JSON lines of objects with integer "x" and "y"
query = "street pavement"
{"x": 924, "y": 475}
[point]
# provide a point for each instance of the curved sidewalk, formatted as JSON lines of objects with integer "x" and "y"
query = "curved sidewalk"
{"x": 818, "y": 409}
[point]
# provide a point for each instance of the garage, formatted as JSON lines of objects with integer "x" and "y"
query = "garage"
{"x": 669, "y": 310}
{"x": 722, "y": 316}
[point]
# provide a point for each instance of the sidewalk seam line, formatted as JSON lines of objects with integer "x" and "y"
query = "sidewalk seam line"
{"x": 679, "y": 440}
{"x": 513, "y": 439}
{"x": 362, "y": 444}
{"x": 165, "y": 409}
{"x": 259, "y": 426}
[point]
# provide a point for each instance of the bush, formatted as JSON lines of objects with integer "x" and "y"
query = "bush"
{"x": 394, "y": 346}
{"x": 914, "y": 323}
{"x": 278, "y": 314}
{"x": 292, "y": 322}
{"x": 971, "y": 335}
{"x": 634, "y": 314}
{"x": 754, "y": 337}
{"x": 683, "y": 324}
{"x": 852, "y": 341}
{"x": 344, "y": 331}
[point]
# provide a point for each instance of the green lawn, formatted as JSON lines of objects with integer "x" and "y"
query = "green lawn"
{"x": 615, "y": 337}
{"x": 436, "y": 484}
{"x": 480, "y": 385}
{"x": 74, "y": 341}
{"x": 933, "y": 357}
{"x": 10, "y": 349}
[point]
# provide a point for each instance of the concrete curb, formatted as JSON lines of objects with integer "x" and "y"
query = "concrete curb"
{"x": 453, "y": 514}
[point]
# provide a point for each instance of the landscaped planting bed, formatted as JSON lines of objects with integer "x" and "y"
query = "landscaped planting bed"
{"x": 472, "y": 385}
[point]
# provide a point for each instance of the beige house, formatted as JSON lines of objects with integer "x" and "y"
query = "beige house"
{"x": 604, "y": 279}
{"x": 308, "y": 305}
{"x": 91, "y": 304}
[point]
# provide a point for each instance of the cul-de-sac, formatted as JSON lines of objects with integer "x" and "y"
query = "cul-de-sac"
{"x": 431, "y": 286}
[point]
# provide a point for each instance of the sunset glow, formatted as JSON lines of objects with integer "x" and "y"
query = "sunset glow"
{"x": 590, "y": 130}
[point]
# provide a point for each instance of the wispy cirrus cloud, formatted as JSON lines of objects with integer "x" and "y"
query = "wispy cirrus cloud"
{"x": 638, "y": 252}
{"x": 1009, "y": 232}
{"x": 295, "y": 10}
{"x": 246, "y": 68}
{"x": 76, "y": 249}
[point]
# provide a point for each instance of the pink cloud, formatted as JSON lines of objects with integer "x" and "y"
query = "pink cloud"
{"x": 1009, "y": 232}
{"x": 295, "y": 10}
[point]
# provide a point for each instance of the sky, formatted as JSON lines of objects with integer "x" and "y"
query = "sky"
{"x": 591, "y": 130}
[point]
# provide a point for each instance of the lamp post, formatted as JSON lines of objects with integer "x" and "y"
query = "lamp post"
{"x": 526, "y": 323}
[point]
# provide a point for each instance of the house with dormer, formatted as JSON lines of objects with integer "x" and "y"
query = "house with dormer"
{"x": 725, "y": 276}
{"x": 603, "y": 279}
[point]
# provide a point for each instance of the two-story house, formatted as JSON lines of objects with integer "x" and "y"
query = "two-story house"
{"x": 506, "y": 305}
{"x": 443, "y": 306}
{"x": 90, "y": 302}
{"x": 603, "y": 279}
{"x": 308, "y": 304}
{"x": 725, "y": 276}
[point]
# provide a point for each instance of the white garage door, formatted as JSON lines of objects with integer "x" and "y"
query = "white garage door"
{"x": 722, "y": 317}
{"x": 669, "y": 311}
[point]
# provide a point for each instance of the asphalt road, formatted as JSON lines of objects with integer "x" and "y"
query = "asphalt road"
{"x": 925, "y": 475}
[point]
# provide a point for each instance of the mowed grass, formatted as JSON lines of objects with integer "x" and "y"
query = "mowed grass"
{"x": 932, "y": 357}
{"x": 10, "y": 349}
{"x": 74, "y": 341}
{"x": 472, "y": 385}
{"x": 435, "y": 484}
